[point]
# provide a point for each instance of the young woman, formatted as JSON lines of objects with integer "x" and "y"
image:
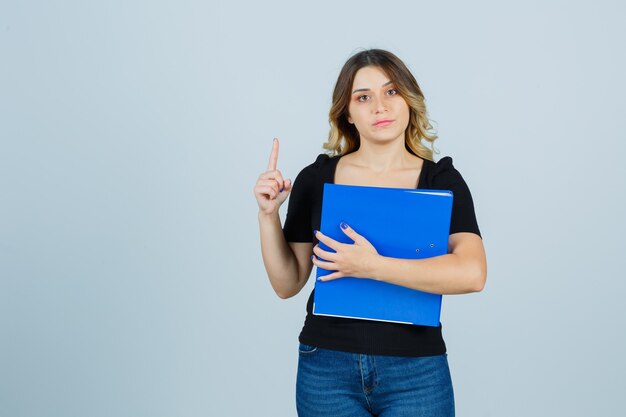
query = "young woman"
{"x": 378, "y": 137}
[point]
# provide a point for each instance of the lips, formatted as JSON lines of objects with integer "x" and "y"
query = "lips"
{"x": 382, "y": 122}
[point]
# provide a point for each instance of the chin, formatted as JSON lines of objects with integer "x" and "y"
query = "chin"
{"x": 388, "y": 138}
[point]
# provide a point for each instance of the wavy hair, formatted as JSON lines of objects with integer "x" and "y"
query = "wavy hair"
{"x": 419, "y": 130}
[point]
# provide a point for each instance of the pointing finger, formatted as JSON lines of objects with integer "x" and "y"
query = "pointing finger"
{"x": 273, "y": 156}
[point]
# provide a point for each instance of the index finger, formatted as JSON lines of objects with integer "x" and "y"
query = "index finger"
{"x": 273, "y": 156}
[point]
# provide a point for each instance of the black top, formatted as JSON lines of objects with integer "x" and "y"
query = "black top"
{"x": 368, "y": 336}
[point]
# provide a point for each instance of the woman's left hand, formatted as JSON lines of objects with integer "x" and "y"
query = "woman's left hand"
{"x": 349, "y": 260}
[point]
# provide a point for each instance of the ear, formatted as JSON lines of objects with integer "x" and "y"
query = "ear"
{"x": 350, "y": 120}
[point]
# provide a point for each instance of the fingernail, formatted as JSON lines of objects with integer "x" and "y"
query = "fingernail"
{"x": 312, "y": 256}
{"x": 343, "y": 225}
{"x": 315, "y": 232}
{"x": 281, "y": 190}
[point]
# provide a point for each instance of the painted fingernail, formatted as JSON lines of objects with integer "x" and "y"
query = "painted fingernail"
{"x": 281, "y": 190}
{"x": 315, "y": 232}
{"x": 343, "y": 225}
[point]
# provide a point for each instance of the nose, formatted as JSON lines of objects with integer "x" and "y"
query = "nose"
{"x": 380, "y": 106}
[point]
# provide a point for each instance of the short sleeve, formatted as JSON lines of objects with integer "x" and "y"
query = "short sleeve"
{"x": 446, "y": 177}
{"x": 297, "y": 227}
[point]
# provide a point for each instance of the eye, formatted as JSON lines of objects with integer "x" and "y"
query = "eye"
{"x": 362, "y": 98}
{"x": 392, "y": 91}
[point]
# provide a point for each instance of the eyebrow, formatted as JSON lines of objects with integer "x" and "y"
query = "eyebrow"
{"x": 367, "y": 89}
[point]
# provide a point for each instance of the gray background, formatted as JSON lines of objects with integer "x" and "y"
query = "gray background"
{"x": 132, "y": 133}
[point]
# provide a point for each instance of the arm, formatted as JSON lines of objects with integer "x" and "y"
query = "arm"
{"x": 462, "y": 270}
{"x": 288, "y": 265}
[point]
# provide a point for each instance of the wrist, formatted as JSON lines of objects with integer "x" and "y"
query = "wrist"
{"x": 377, "y": 264}
{"x": 269, "y": 217}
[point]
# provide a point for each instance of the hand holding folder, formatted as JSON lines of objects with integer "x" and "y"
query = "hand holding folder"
{"x": 399, "y": 223}
{"x": 345, "y": 259}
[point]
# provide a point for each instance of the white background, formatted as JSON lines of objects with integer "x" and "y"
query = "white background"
{"x": 131, "y": 136}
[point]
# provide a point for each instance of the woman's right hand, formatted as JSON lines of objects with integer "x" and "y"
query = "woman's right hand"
{"x": 269, "y": 185}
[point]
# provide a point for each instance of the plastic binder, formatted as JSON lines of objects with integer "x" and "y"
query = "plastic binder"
{"x": 400, "y": 223}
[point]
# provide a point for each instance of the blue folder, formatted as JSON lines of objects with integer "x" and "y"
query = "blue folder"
{"x": 400, "y": 223}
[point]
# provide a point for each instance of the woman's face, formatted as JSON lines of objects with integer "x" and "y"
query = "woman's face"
{"x": 376, "y": 109}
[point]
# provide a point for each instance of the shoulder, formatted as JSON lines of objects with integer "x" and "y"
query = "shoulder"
{"x": 320, "y": 169}
{"x": 441, "y": 173}
{"x": 323, "y": 162}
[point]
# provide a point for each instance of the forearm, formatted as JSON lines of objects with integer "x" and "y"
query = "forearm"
{"x": 445, "y": 274}
{"x": 279, "y": 260}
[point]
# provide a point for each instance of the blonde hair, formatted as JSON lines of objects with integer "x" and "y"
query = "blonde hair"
{"x": 419, "y": 129}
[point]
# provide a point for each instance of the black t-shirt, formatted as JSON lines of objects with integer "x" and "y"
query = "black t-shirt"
{"x": 368, "y": 336}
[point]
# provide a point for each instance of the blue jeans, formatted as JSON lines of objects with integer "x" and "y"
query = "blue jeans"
{"x": 331, "y": 383}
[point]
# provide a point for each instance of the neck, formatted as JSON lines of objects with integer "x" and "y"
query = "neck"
{"x": 381, "y": 157}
